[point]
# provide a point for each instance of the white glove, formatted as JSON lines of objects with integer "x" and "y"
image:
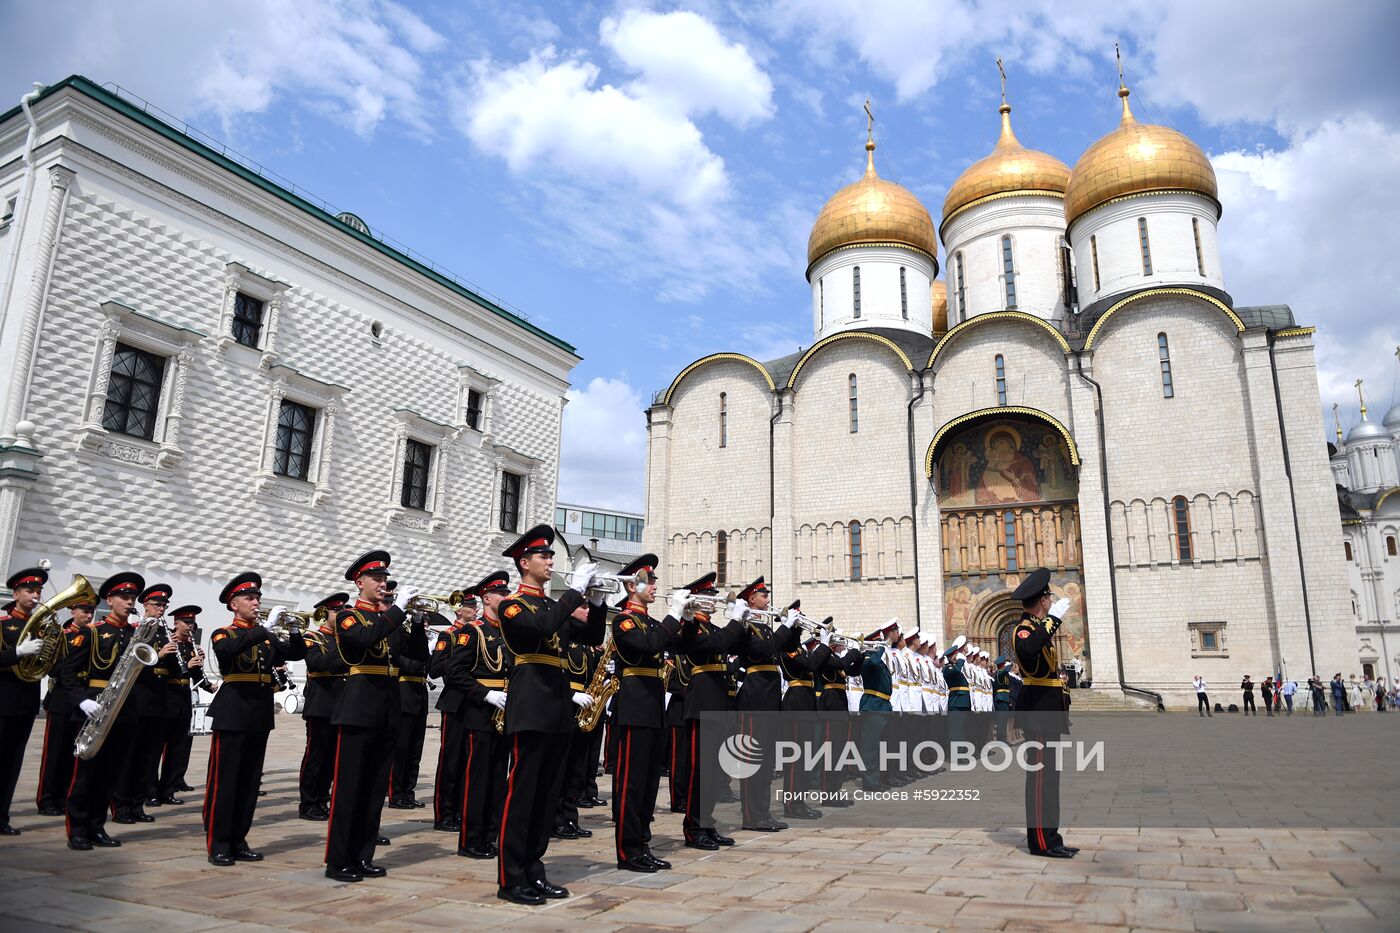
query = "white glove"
{"x": 1060, "y": 607}
{"x": 30, "y": 647}
{"x": 665, "y": 701}
{"x": 790, "y": 618}
{"x": 582, "y": 577}
{"x": 496, "y": 698}
{"x": 404, "y": 595}
{"x": 596, "y": 597}
{"x": 677, "y": 602}
{"x": 825, "y": 637}
{"x": 583, "y": 701}
{"x": 89, "y": 708}
{"x": 738, "y": 610}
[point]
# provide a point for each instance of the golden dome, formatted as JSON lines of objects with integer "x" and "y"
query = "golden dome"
{"x": 1135, "y": 158}
{"x": 1009, "y": 167}
{"x": 872, "y": 210}
{"x": 938, "y": 296}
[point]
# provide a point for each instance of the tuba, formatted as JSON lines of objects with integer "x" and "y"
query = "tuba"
{"x": 139, "y": 653}
{"x": 41, "y": 625}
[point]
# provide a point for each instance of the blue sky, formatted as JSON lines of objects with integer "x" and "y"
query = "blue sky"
{"x": 641, "y": 179}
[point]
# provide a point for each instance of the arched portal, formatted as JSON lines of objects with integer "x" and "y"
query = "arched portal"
{"x": 1008, "y": 495}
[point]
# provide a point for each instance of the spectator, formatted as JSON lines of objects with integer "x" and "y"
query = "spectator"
{"x": 1202, "y": 701}
{"x": 1289, "y": 688}
{"x": 1268, "y": 690}
{"x": 1380, "y": 694}
{"x": 1339, "y": 694}
{"x": 1319, "y": 702}
{"x": 1247, "y": 686}
{"x": 1357, "y": 696}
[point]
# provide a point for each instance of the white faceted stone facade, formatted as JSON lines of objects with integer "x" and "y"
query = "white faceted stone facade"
{"x": 150, "y": 243}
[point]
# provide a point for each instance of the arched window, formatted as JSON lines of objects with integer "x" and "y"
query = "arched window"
{"x": 1200, "y": 256}
{"x": 1008, "y": 525}
{"x": 1146, "y": 249}
{"x": 855, "y": 289}
{"x": 1165, "y": 359}
{"x": 962, "y": 290}
{"x": 1094, "y": 258}
{"x": 723, "y": 420}
{"x": 1390, "y": 545}
{"x": 903, "y": 296}
{"x": 1001, "y": 380}
{"x": 1181, "y": 517}
{"x": 722, "y": 558}
{"x": 855, "y": 407}
{"x": 1009, "y": 270}
{"x": 1347, "y": 546}
{"x": 855, "y": 550}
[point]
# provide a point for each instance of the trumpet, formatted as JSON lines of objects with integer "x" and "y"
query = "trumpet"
{"x": 432, "y": 602}
{"x": 314, "y": 617}
{"x": 281, "y": 626}
{"x": 612, "y": 583}
{"x": 706, "y": 603}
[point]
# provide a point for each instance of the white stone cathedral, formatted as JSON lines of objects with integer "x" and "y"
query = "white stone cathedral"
{"x": 1083, "y": 394}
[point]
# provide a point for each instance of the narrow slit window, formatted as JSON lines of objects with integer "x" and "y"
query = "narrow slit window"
{"x": 855, "y": 407}
{"x": 855, "y": 289}
{"x": 417, "y": 460}
{"x": 1094, "y": 259}
{"x": 1009, "y": 269}
{"x": 1181, "y": 516}
{"x": 1146, "y": 247}
{"x": 1347, "y": 546}
{"x": 1164, "y": 357}
{"x": 903, "y": 295}
{"x": 1390, "y": 546}
{"x": 962, "y": 291}
{"x": 821, "y": 302}
{"x": 855, "y": 531}
{"x": 723, "y": 420}
{"x": 1200, "y": 256}
{"x": 1001, "y": 379}
{"x": 722, "y": 558}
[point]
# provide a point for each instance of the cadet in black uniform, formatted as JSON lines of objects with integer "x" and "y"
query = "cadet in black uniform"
{"x": 413, "y": 712}
{"x": 677, "y": 736}
{"x": 477, "y": 670}
{"x": 366, "y": 713}
{"x": 580, "y": 663}
{"x": 760, "y": 698}
{"x": 135, "y": 789}
{"x": 186, "y": 665}
{"x": 640, "y": 713}
{"x": 801, "y": 667}
{"x": 92, "y": 657}
{"x": 325, "y": 677}
{"x": 593, "y": 753}
{"x": 19, "y": 699}
{"x": 838, "y": 726}
{"x": 538, "y": 710}
{"x": 1042, "y": 705}
{"x": 451, "y": 764}
{"x": 705, "y": 650}
{"x": 242, "y": 711}
{"x": 56, "y": 765}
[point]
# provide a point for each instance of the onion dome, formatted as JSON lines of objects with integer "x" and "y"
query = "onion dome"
{"x": 1133, "y": 159}
{"x": 872, "y": 211}
{"x": 1010, "y": 168}
{"x": 1366, "y": 430}
{"x": 938, "y": 297}
{"x": 1391, "y": 421}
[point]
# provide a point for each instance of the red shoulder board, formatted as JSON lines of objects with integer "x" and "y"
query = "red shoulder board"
{"x": 219, "y": 634}
{"x": 463, "y": 638}
{"x": 512, "y": 611}
{"x": 1023, "y": 633}
{"x": 627, "y": 625}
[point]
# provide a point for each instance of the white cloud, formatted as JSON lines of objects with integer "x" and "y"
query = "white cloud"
{"x": 604, "y": 447}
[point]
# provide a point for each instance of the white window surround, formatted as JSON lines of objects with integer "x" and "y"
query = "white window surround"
{"x": 284, "y": 382}
{"x": 1221, "y": 649}
{"x": 469, "y": 378}
{"x": 413, "y": 426}
{"x": 528, "y": 469}
{"x": 239, "y": 278}
{"x": 177, "y": 344}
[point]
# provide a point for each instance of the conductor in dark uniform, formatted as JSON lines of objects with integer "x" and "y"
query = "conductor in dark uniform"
{"x": 325, "y": 677}
{"x": 540, "y": 710}
{"x": 242, "y": 710}
{"x": 1041, "y": 710}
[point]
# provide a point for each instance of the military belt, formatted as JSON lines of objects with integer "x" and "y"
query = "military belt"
{"x": 183, "y": 682}
{"x": 958, "y": 689}
{"x": 495, "y": 683}
{"x": 877, "y": 693}
{"x": 376, "y": 670}
{"x": 576, "y": 686}
{"x": 1042, "y": 681}
{"x": 162, "y": 671}
{"x": 833, "y": 686}
{"x": 799, "y": 683}
{"x": 312, "y": 675}
{"x": 1004, "y": 690}
{"x": 548, "y": 660}
{"x": 640, "y": 672}
{"x": 248, "y": 678}
{"x": 762, "y": 668}
{"x": 410, "y": 679}
{"x": 97, "y": 683}
{"x": 709, "y": 669}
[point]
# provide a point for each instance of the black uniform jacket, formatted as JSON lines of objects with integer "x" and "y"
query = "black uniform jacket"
{"x": 834, "y": 671}
{"x": 706, "y": 650}
{"x": 247, "y": 653}
{"x": 93, "y": 654}
{"x": 413, "y": 667}
{"x": 368, "y": 640}
{"x": 536, "y": 629}
{"x": 800, "y": 667}
{"x": 676, "y": 689}
{"x": 641, "y": 642}
{"x": 148, "y": 697}
{"x": 1041, "y": 689}
{"x": 763, "y": 690}
{"x": 59, "y": 700}
{"x": 325, "y": 672}
{"x": 450, "y": 696}
{"x": 17, "y": 697}
{"x": 475, "y": 662}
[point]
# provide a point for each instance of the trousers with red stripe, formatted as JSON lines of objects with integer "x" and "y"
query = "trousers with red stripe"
{"x": 680, "y": 763}
{"x": 408, "y": 753}
{"x": 451, "y": 769}
{"x": 1042, "y": 797}
{"x": 93, "y": 780}
{"x": 703, "y": 776}
{"x": 231, "y": 791}
{"x": 317, "y": 763}
{"x": 756, "y": 791}
{"x": 483, "y": 783}
{"x": 56, "y": 766}
{"x": 641, "y": 750}
{"x": 362, "y": 758}
{"x": 533, "y": 785}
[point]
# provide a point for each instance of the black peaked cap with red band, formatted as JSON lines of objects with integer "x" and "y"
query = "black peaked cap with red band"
{"x": 500, "y": 580}
{"x": 391, "y": 585}
{"x": 368, "y": 562}
{"x": 156, "y": 591}
{"x": 795, "y": 604}
{"x": 29, "y": 576}
{"x": 753, "y": 587}
{"x": 129, "y": 583}
{"x": 825, "y": 622}
{"x": 187, "y": 612}
{"x": 247, "y": 583}
{"x": 333, "y": 601}
{"x": 704, "y": 586}
{"x": 538, "y": 540}
{"x": 646, "y": 562}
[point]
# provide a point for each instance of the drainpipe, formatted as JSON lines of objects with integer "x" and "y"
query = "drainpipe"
{"x": 17, "y": 223}
{"x": 1293, "y": 498}
{"x": 1108, "y": 533}
{"x": 914, "y": 502}
{"x": 772, "y": 479}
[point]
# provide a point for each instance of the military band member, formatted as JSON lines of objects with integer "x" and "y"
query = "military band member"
{"x": 759, "y": 698}
{"x": 877, "y": 682}
{"x": 451, "y": 764}
{"x": 539, "y": 710}
{"x": 92, "y": 658}
{"x": 1042, "y": 710}
{"x": 136, "y": 785}
{"x": 801, "y": 668}
{"x": 186, "y": 667}
{"x": 477, "y": 672}
{"x": 242, "y": 710}
{"x": 594, "y": 752}
{"x": 580, "y": 662}
{"x": 367, "y": 637}
{"x": 60, "y": 730}
{"x": 677, "y": 744}
{"x": 959, "y": 694}
{"x": 838, "y": 726}
{"x": 413, "y": 711}
{"x": 325, "y": 677}
{"x": 19, "y": 699}
{"x": 1001, "y": 695}
{"x": 639, "y": 710}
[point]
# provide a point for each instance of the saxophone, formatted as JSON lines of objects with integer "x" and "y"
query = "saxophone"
{"x": 601, "y": 688}
{"x": 139, "y": 653}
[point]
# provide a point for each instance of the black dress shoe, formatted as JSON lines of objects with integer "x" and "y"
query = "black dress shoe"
{"x": 839, "y": 802}
{"x": 702, "y": 842}
{"x": 152, "y": 801}
{"x": 51, "y": 811}
{"x": 314, "y": 815}
{"x": 343, "y": 873}
{"x": 79, "y": 844}
{"x": 1066, "y": 850}
{"x": 582, "y": 833}
{"x": 1072, "y": 850}
{"x": 381, "y": 840}
{"x": 526, "y": 894}
{"x": 141, "y": 816}
{"x": 660, "y": 863}
{"x": 802, "y": 812}
{"x": 1052, "y": 853}
{"x": 494, "y": 849}
{"x": 371, "y": 870}
{"x": 400, "y": 804}
{"x": 7, "y": 830}
{"x": 481, "y": 852}
{"x": 727, "y": 797}
{"x": 245, "y": 854}
{"x": 172, "y": 800}
{"x": 551, "y": 891}
{"x": 105, "y": 841}
{"x": 762, "y": 826}
{"x": 637, "y": 863}
{"x": 564, "y": 831}
{"x": 447, "y": 826}
{"x": 221, "y": 859}
{"x": 678, "y": 808}
{"x": 126, "y": 819}
{"x": 778, "y": 823}
{"x": 419, "y": 804}
{"x": 182, "y": 786}
{"x": 721, "y": 840}
{"x": 588, "y": 803}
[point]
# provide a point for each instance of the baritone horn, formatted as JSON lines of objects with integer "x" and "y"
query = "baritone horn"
{"x": 42, "y": 624}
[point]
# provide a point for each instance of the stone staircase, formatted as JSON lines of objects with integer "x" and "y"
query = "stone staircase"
{"x": 1107, "y": 699}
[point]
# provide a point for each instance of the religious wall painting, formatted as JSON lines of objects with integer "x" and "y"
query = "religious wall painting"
{"x": 1005, "y": 462}
{"x": 980, "y": 606}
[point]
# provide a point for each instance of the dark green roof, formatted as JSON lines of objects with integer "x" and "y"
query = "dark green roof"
{"x": 89, "y": 89}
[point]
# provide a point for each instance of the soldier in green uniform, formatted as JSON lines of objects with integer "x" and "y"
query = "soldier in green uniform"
{"x": 875, "y": 708}
{"x": 1001, "y": 694}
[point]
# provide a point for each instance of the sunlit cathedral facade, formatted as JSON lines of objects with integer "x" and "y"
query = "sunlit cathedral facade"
{"x": 1066, "y": 383}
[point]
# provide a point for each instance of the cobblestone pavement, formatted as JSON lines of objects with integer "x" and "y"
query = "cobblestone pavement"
{"x": 804, "y": 879}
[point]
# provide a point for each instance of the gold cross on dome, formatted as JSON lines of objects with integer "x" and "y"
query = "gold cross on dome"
{"x": 1118, "y": 56}
{"x": 869, "y": 120}
{"x": 1003, "y": 80}
{"x": 1361, "y": 398}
